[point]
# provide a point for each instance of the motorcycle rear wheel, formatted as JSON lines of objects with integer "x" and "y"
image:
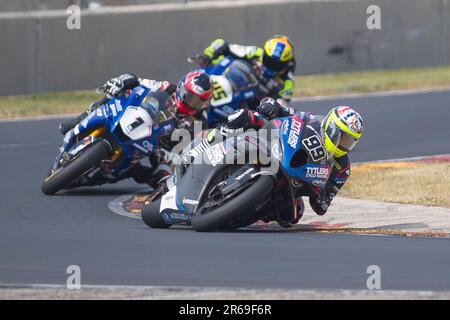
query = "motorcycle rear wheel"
{"x": 151, "y": 216}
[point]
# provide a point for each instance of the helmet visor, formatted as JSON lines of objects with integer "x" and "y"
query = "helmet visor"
{"x": 347, "y": 142}
{"x": 273, "y": 64}
{"x": 191, "y": 100}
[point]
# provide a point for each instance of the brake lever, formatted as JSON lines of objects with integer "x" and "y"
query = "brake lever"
{"x": 101, "y": 89}
{"x": 192, "y": 59}
{"x": 195, "y": 59}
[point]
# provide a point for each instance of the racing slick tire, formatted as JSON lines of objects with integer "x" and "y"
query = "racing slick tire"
{"x": 151, "y": 216}
{"x": 239, "y": 211}
{"x": 89, "y": 158}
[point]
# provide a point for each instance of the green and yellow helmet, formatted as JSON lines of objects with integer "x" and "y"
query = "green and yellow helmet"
{"x": 342, "y": 128}
{"x": 278, "y": 52}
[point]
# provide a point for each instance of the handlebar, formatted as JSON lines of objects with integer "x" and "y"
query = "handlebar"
{"x": 199, "y": 59}
{"x": 193, "y": 59}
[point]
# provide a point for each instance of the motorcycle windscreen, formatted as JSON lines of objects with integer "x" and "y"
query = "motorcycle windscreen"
{"x": 156, "y": 102}
{"x": 241, "y": 75}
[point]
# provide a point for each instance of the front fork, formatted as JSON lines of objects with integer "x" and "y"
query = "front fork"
{"x": 69, "y": 141}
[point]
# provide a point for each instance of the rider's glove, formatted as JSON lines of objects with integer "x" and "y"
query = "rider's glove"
{"x": 217, "y": 48}
{"x": 287, "y": 91}
{"x": 269, "y": 108}
{"x": 113, "y": 87}
{"x": 116, "y": 86}
{"x": 239, "y": 119}
{"x": 244, "y": 119}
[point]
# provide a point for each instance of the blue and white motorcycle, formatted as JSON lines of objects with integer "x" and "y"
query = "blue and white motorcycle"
{"x": 237, "y": 84}
{"x": 106, "y": 145}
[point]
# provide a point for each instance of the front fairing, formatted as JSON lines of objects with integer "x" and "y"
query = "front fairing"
{"x": 115, "y": 108}
{"x": 69, "y": 145}
{"x": 154, "y": 103}
{"x": 296, "y": 161}
{"x": 220, "y": 67}
{"x": 202, "y": 161}
{"x": 241, "y": 75}
{"x": 234, "y": 87}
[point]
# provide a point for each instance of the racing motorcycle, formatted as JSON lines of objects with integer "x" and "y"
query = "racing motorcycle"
{"x": 214, "y": 195}
{"x": 237, "y": 84}
{"x": 105, "y": 146}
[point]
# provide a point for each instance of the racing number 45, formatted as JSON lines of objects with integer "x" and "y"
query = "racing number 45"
{"x": 219, "y": 92}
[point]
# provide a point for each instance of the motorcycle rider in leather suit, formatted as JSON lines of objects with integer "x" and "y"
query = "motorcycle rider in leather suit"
{"x": 342, "y": 120}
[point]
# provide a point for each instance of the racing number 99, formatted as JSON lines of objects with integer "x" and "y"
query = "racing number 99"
{"x": 314, "y": 147}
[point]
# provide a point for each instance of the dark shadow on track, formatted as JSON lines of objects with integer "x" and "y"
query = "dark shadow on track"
{"x": 99, "y": 191}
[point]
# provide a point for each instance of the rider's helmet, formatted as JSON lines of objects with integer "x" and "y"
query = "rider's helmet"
{"x": 194, "y": 92}
{"x": 342, "y": 128}
{"x": 278, "y": 52}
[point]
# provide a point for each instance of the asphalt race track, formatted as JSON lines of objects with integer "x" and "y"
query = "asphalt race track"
{"x": 41, "y": 236}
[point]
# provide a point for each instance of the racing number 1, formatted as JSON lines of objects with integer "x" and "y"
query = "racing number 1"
{"x": 135, "y": 124}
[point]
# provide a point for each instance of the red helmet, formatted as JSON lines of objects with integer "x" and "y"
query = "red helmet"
{"x": 194, "y": 92}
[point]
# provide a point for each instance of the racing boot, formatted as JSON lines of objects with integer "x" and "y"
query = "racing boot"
{"x": 151, "y": 176}
{"x": 319, "y": 205}
{"x": 287, "y": 219}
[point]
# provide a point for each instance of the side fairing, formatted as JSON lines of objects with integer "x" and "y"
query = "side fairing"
{"x": 303, "y": 152}
{"x": 193, "y": 180}
{"x": 92, "y": 120}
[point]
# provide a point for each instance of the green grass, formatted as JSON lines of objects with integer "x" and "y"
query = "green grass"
{"x": 46, "y": 104}
{"x": 372, "y": 81}
{"x": 306, "y": 86}
{"x": 410, "y": 183}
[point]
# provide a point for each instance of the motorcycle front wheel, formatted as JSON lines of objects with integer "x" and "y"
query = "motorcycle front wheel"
{"x": 237, "y": 212}
{"x": 89, "y": 158}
